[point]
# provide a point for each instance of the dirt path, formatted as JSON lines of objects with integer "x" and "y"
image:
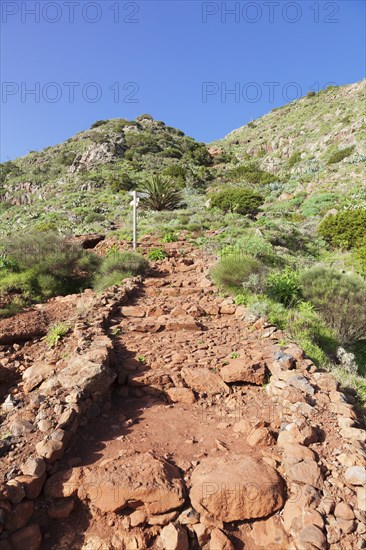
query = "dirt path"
{"x": 204, "y": 401}
{"x": 176, "y": 323}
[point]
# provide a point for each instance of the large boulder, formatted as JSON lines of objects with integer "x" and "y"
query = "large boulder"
{"x": 90, "y": 371}
{"x": 138, "y": 478}
{"x": 34, "y": 375}
{"x": 245, "y": 370}
{"x": 236, "y": 488}
{"x": 203, "y": 380}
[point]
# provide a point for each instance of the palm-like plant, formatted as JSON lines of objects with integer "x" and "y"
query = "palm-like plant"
{"x": 163, "y": 194}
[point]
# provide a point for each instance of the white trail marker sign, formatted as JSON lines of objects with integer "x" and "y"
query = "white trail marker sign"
{"x": 136, "y": 196}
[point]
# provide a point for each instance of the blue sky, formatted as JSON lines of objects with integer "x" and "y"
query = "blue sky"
{"x": 177, "y": 60}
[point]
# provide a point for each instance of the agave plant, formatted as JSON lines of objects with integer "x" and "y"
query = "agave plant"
{"x": 162, "y": 194}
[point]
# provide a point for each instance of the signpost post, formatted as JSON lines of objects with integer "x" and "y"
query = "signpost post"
{"x": 136, "y": 196}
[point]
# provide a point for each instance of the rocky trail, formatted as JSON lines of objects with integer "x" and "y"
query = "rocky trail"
{"x": 169, "y": 419}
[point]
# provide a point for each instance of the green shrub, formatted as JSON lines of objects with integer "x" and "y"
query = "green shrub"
{"x": 24, "y": 283}
{"x": 283, "y": 286}
{"x": 98, "y": 123}
{"x": 309, "y": 331}
{"x": 94, "y": 217}
{"x": 49, "y": 285}
{"x": 318, "y": 204}
{"x": 241, "y": 298}
{"x": 156, "y": 254}
{"x": 294, "y": 159}
{"x": 123, "y": 262}
{"x": 46, "y": 227}
{"x": 123, "y": 183}
{"x": 310, "y": 94}
{"x": 346, "y": 229}
{"x": 251, "y": 173}
{"x": 118, "y": 266}
{"x": 359, "y": 256}
{"x": 170, "y": 237}
{"x": 44, "y": 265}
{"x": 240, "y": 201}
{"x": 113, "y": 278}
{"x": 340, "y": 300}
{"x": 175, "y": 171}
{"x": 337, "y": 156}
{"x": 252, "y": 245}
{"x": 231, "y": 272}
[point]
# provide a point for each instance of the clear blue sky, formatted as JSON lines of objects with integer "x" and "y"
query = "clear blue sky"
{"x": 169, "y": 51}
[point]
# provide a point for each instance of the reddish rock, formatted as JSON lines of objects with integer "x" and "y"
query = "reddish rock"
{"x": 181, "y": 395}
{"x": 13, "y": 491}
{"x": 313, "y": 535}
{"x": 139, "y": 478}
{"x": 306, "y": 472}
{"x": 34, "y": 375}
{"x": 163, "y": 519}
{"x": 61, "y": 508}
{"x": 34, "y": 467}
{"x": 300, "y": 432}
{"x": 236, "y": 488}
{"x": 19, "y": 516}
{"x": 183, "y": 323}
{"x": 203, "y": 380}
{"x": 244, "y": 370}
{"x": 343, "y": 511}
{"x": 326, "y": 382}
{"x": 261, "y": 437}
{"x": 153, "y": 379}
{"x": 219, "y": 541}
{"x": 63, "y": 484}
{"x": 50, "y": 449}
{"x": 32, "y": 485}
{"x": 174, "y": 537}
{"x": 270, "y": 533}
{"x": 28, "y": 538}
{"x": 227, "y": 309}
{"x": 132, "y": 311}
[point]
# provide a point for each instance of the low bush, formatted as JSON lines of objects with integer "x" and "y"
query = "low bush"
{"x": 113, "y": 278}
{"x": 340, "y": 300}
{"x": 170, "y": 237}
{"x": 240, "y": 201}
{"x": 345, "y": 229}
{"x": 251, "y": 173}
{"x": 45, "y": 265}
{"x": 118, "y": 266}
{"x": 294, "y": 159}
{"x": 359, "y": 257}
{"x": 123, "y": 183}
{"x": 308, "y": 330}
{"x": 283, "y": 286}
{"x": 156, "y": 254}
{"x": 319, "y": 203}
{"x": 124, "y": 262}
{"x": 337, "y": 156}
{"x": 98, "y": 123}
{"x": 232, "y": 272}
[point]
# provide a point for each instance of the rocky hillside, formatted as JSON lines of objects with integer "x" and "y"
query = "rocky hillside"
{"x": 307, "y": 158}
{"x": 83, "y": 181}
{"x": 315, "y": 146}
